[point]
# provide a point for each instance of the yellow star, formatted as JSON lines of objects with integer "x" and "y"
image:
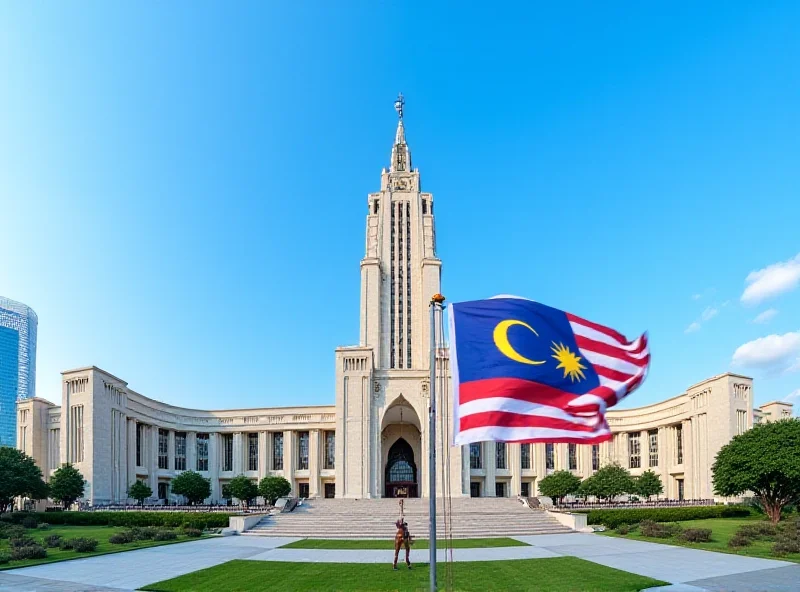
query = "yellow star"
{"x": 570, "y": 362}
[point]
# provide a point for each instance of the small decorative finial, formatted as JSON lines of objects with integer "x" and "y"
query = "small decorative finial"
{"x": 398, "y": 105}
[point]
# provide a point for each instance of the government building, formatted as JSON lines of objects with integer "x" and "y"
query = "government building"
{"x": 373, "y": 441}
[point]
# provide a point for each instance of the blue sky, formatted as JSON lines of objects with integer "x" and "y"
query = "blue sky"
{"x": 183, "y": 188}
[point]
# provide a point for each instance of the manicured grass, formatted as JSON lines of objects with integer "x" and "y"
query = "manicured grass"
{"x": 722, "y": 529}
{"x": 559, "y": 574}
{"x": 388, "y": 544}
{"x": 101, "y": 533}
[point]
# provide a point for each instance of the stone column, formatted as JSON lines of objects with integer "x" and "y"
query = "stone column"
{"x": 263, "y": 448}
{"x": 171, "y": 450}
{"x": 191, "y": 451}
{"x": 490, "y": 462}
{"x": 238, "y": 453}
{"x": 214, "y": 463}
{"x": 515, "y": 465}
{"x": 539, "y": 461}
{"x": 313, "y": 463}
{"x": 152, "y": 468}
{"x": 131, "y": 454}
{"x": 688, "y": 460}
{"x": 465, "y": 470}
{"x": 289, "y": 458}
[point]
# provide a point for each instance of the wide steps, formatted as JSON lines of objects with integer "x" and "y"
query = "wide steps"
{"x": 468, "y": 518}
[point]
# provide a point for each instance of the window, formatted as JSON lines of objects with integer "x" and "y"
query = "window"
{"x": 652, "y": 436}
{"x": 500, "y": 489}
{"x": 163, "y": 449}
{"x": 595, "y": 457}
{"x": 163, "y": 490}
{"x": 634, "y": 451}
{"x": 227, "y": 452}
{"x": 302, "y": 489}
{"x": 500, "y": 454}
{"x": 680, "y": 489}
{"x": 475, "y": 460}
{"x": 180, "y": 451}
{"x": 474, "y": 489}
{"x": 202, "y": 452}
{"x": 526, "y": 489}
{"x": 330, "y": 450}
{"x": 302, "y": 452}
{"x": 741, "y": 421}
{"x": 549, "y": 457}
{"x": 525, "y": 456}
{"x": 76, "y": 429}
{"x": 679, "y": 444}
{"x": 140, "y": 428}
{"x": 572, "y": 456}
{"x": 252, "y": 452}
{"x": 277, "y": 451}
{"x": 330, "y": 490}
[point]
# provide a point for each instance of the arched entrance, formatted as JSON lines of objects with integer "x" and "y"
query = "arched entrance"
{"x": 401, "y": 449}
{"x": 401, "y": 471}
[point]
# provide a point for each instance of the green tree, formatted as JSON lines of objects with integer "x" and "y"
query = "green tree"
{"x": 271, "y": 488}
{"x": 609, "y": 481}
{"x": 764, "y": 460}
{"x": 140, "y": 492}
{"x": 66, "y": 485}
{"x": 559, "y": 484}
{"x": 193, "y": 486}
{"x": 19, "y": 477}
{"x": 648, "y": 484}
{"x": 243, "y": 489}
{"x": 225, "y": 493}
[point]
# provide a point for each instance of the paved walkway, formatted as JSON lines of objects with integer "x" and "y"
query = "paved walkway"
{"x": 688, "y": 570}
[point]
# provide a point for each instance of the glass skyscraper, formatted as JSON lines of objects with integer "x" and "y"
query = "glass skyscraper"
{"x": 17, "y": 364}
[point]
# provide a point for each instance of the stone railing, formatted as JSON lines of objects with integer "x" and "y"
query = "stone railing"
{"x": 624, "y": 505}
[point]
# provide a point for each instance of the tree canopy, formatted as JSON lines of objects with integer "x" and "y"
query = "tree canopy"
{"x": 559, "y": 484}
{"x": 764, "y": 460}
{"x": 609, "y": 481}
{"x": 243, "y": 489}
{"x": 648, "y": 484}
{"x": 19, "y": 477}
{"x": 66, "y": 485}
{"x": 140, "y": 491}
{"x": 272, "y": 487}
{"x": 193, "y": 486}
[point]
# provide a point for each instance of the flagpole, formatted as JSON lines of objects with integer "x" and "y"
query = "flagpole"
{"x": 436, "y": 302}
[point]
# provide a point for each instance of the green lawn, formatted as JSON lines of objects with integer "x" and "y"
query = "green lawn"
{"x": 559, "y": 574}
{"x": 101, "y": 533}
{"x": 722, "y": 529}
{"x": 385, "y": 544}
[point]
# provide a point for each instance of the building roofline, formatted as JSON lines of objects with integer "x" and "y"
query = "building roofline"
{"x": 40, "y": 399}
{"x": 240, "y": 410}
{"x": 779, "y": 402}
{"x": 85, "y": 368}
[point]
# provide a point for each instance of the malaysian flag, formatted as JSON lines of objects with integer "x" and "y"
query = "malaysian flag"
{"x": 526, "y": 372}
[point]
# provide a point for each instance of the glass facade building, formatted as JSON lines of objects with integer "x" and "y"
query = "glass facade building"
{"x": 17, "y": 364}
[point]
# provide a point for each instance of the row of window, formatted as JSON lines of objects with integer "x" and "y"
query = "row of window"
{"x": 635, "y": 449}
{"x": 476, "y": 456}
{"x": 201, "y": 449}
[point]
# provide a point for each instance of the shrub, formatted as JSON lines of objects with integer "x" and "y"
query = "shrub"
{"x": 52, "y": 541}
{"x": 201, "y": 520}
{"x": 7, "y": 518}
{"x": 11, "y": 531}
{"x": 658, "y": 530}
{"x": 65, "y": 544}
{"x": 30, "y": 522}
{"x": 165, "y": 535}
{"x": 786, "y": 545}
{"x": 758, "y": 530}
{"x": 5, "y": 557}
{"x": 613, "y": 518}
{"x": 192, "y": 532}
{"x": 146, "y": 533}
{"x": 23, "y": 541}
{"x": 695, "y": 535}
{"x": 44, "y": 526}
{"x": 738, "y": 540}
{"x": 34, "y": 551}
{"x": 623, "y": 529}
{"x": 84, "y": 545}
{"x": 121, "y": 538}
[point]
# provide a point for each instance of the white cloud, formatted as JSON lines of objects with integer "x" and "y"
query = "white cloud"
{"x": 795, "y": 394}
{"x": 774, "y": 279}
{"x": 693, "y": 327}
{"x": 766, "y": 316}
{"x": 772, "y": 351}
{"x": 709, "y": 313}
{"x": 696, "y": 296}
{"x": 794, "y": 367}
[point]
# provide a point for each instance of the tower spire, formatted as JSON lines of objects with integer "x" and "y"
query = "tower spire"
{"x": 401, "y": 155}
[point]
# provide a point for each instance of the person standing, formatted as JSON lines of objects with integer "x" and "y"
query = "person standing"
{"x": 402, "y": 538}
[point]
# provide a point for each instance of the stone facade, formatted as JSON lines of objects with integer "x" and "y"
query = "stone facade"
{"x": 374, "y": 441}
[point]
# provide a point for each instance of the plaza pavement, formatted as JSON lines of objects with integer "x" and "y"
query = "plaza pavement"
{"x": 688, "y": 570}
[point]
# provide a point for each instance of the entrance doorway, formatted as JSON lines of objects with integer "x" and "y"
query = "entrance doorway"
{"x": 163, "y": 490}
{"x": 401, "y": 471}
{"x": 474, "y": 489}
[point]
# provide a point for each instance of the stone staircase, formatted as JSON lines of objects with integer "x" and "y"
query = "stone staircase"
{"x": 375, "y": 518}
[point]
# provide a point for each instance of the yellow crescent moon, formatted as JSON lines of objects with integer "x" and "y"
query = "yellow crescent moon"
{"x": 502, "y": 343}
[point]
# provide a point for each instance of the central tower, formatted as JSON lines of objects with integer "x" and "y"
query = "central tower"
{"x": 382, "y": 390}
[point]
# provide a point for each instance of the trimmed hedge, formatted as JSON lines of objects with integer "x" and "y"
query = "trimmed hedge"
{"x": 615, "y": 518}
{"x": 200, "y": 520}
